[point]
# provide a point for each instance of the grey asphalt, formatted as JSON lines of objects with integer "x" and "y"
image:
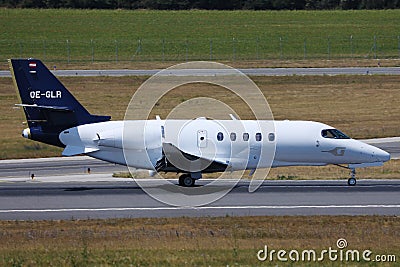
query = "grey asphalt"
{"x": 249, "y": 71}
{"x": 31, "y": 200}
{"x": 63, "y": 189}
{"x": 24, "y": 168}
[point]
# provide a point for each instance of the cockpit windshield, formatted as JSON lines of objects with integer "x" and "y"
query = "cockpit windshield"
{"x": 333, "y": 133}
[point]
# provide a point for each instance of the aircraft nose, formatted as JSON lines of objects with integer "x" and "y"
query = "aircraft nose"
{"x": 381, "y": 155}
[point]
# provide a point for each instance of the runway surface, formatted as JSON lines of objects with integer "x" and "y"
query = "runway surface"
{"x": 34, "y": 200}
{"x": 24, "y": 168}
{"x": 250, "y": 71}
{"x": 63, "y": 188}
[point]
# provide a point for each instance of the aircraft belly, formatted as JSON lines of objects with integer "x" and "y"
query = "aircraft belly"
{"x": 113, "y": 155}
{"x": 140, "y": 159}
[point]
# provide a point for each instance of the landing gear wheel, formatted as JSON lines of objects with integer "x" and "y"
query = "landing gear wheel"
{"x": 186, "y": 180}
{"x": 352, "y": 181}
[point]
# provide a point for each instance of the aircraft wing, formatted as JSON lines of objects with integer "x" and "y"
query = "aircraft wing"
{"x": 174, "y": 159}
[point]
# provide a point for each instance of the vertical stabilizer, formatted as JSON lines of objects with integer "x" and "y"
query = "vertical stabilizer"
{"x": 49, "y": 107}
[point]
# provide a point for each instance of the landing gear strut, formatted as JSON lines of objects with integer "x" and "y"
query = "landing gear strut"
{"x": 352, "y": 180}
{"x": 186, "y": 180}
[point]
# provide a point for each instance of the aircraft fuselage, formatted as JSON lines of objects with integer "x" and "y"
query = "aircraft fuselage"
{"x": 240, "y": 144}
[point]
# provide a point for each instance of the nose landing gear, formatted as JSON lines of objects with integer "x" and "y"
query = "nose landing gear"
{"x": 352, "y": 180}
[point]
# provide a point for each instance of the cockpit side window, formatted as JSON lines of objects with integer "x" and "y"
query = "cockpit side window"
{"x": 334, "y": 134}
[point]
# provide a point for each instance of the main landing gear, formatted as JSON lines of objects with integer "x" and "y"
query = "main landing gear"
{"x": 186, "y": 180}
{"x": 352, "y": 180}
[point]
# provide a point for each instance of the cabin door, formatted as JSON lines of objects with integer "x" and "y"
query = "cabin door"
{"x": 202, "y": 138}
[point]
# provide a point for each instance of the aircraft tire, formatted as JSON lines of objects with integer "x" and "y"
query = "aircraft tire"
{"x": 186, "y": 180}
{"x": 351, "y": 181}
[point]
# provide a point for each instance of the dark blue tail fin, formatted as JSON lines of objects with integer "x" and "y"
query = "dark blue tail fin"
{"x": 49, "y": 107}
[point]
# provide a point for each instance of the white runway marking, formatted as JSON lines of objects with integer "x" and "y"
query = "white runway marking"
{"x": 201, "y": 208}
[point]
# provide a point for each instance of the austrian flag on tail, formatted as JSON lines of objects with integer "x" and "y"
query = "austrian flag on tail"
{"x": 32, "y": 67}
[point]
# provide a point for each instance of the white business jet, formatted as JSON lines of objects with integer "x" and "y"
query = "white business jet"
{"x": 189, "y": 147}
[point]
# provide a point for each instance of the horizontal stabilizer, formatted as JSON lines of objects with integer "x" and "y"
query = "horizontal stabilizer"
{"x": 77, "y": 150}
{"x": 43, "y": 107}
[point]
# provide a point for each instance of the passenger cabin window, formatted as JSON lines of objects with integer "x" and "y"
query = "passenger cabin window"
{"x": 334, "y": 134}
{"x": 271, "y": 137}
{"x": 258, "y": 137}
{"x": 220, "y": 136}
{"x": 245, "y": 137}
{"x": 233, "y": 136}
